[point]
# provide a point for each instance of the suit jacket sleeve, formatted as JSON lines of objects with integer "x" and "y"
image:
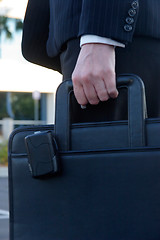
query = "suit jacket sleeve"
{"x": 115, "y": 19}
{"x": 35, "y": 35}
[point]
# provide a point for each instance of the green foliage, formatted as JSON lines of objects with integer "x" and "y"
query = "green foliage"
{"x": 4, "y": 26}
{"x": 3, "y": 112}
{"x": 19, "y": 25}
{"x": 23, "y": 106}
{"x": 4, "y": 153}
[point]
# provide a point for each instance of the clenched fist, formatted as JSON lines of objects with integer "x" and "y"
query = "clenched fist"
{"x": 94, "y": 74}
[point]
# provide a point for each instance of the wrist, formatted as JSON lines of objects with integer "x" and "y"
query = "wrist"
{"x": 97, "y": 45}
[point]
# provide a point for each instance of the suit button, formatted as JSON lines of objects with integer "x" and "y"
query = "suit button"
{"x": 134, "y": 4}
{"x": 128, "y": 28}
{"x": 132, "y": 12}
{"x": 129, "y": 20}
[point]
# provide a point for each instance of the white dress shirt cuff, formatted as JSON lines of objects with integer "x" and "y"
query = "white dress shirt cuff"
{"x": 97, "y": 39}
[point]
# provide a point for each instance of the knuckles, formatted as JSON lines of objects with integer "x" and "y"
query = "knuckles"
{"x": 88, "y": 78}
{"x": 103, "y": 95}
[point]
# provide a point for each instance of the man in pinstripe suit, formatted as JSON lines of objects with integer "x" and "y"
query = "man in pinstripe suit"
{"x": 131, "y": 25}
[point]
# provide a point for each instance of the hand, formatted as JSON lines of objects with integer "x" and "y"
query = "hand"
{"x": 94, "y": 74}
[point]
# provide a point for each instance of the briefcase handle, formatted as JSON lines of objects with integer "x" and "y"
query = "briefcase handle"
{"x": 136, "y": 111}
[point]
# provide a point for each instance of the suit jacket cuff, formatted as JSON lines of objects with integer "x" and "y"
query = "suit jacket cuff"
{"x": 111, "y": 19}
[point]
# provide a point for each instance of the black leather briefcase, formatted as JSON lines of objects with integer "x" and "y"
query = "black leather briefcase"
{"x": 98, "y": 181}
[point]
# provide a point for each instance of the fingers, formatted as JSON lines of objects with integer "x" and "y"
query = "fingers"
{"x": 101, "y": 90}
{"x": 84, "y": 91}
{"x": 94, "y": 75}
{"x": 94, "y": 91}
{"x": 79, "y": 93}
{"x": 110, "y": 84}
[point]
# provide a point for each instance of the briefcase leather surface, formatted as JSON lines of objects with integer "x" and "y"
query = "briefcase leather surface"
{"x": 108, "y": 183}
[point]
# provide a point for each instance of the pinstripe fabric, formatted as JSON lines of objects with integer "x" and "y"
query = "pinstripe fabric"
{"x": 106, "y": 18}
{"x": 73, "y": 18}
{"x": 70, "y": 19}
{"x": 148, "y": 23}
{"x": 35, "y": 35}
{"x": 64, "y": 22}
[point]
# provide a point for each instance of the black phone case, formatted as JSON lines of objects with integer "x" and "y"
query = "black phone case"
{"x": 42, "y": 153}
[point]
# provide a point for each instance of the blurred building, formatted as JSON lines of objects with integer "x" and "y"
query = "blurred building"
{"x": 18, "y": 75}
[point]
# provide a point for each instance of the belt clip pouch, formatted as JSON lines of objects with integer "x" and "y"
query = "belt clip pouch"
{"x": 42, "y": 153}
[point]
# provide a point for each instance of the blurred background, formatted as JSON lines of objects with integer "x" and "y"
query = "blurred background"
{"x": 27, "y": 92}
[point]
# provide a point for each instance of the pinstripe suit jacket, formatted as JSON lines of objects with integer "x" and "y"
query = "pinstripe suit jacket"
{"x": 120, "y": 20}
